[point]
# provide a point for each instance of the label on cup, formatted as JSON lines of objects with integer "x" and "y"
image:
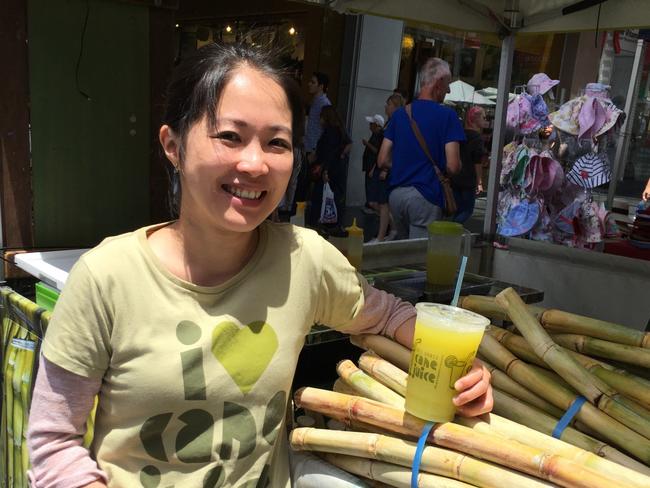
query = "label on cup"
{"x": 433, "y": 368}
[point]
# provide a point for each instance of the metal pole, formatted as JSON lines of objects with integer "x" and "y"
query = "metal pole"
{"x": 498, "y": 135}
{"x": 624, "y": 135}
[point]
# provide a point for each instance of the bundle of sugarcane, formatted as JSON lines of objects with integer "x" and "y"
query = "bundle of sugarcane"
{"x": 18, "y": 357}
{"x": 489, "y": 451}
{"x": 560, "y": 357}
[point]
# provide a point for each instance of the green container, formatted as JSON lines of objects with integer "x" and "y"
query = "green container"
{"x": 46, "y": 296}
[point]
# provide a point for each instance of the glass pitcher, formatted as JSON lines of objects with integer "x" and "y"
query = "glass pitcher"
{"x": 448, "y": 241}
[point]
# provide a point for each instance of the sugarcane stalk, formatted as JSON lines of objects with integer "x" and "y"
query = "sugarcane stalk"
{"x": 513, "y": 454}
{"x": 384, "y": 372}
{"x": 520, "y": 348}
{"x": 579, "y": 324}
{"x": 596, "y": 391}
{"x": 615, "y": 432}
{"x": 516, "y": 344}
{"x": 391, "y": 474}
{"x": 435, "y": 460}
{"x": 341, "y": 387}
{"x": 605, "y": 349}
{"x": 573, "y": 444}
{"x": 627, "y": 385}
{"x": 505, "y": 383}
{"x": 487, "y": 306}
{"x": 367, "y": 386}
{"x": 389, "y": 350}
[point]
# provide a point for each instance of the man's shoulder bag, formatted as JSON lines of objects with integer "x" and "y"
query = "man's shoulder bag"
{"x": 445, "y": 183}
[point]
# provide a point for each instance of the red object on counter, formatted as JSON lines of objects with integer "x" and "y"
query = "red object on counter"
{"x": 623, "y": 247}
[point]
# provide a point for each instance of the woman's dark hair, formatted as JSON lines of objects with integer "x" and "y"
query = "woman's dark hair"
{"x": 331, "y": 118}
{"x": 198, "y": 81}
{"x": 322, "y": 79}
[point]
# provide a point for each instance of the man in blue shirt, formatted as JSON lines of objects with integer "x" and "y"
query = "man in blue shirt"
{"x": 416, "y": 198}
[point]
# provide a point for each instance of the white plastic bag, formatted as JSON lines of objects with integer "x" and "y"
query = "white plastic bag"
{"x": 328, "y": 214}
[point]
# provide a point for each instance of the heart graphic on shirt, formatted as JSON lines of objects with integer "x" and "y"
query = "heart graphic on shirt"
{"x": 245, "y": 352}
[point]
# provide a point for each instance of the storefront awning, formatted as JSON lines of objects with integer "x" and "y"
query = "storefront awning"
{"x": 524, "y": 16}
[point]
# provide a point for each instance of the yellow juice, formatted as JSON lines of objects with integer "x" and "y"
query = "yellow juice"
{"x": 444, "y": 346}
{"x": 441, "y": 268}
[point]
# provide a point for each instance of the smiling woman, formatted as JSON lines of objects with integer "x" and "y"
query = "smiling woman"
{"x": 189, "y": 331}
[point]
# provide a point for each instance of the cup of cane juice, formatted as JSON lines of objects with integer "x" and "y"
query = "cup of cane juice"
{"x": 444, "y": 346}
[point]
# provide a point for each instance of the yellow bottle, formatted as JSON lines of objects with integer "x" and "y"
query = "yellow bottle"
{"x": 299, "y": 218}
{"x": 355, "y": 245}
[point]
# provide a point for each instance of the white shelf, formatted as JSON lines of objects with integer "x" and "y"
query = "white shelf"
{"x": 51, "y": 267}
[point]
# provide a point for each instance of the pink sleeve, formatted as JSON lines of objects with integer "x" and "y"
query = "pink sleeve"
{"x": 382, "y": 313}
{"x": 57, "y": 422}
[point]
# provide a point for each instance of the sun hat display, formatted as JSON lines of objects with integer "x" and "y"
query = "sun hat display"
{"x": 543, "y": 174}
{"x": 588, "y": 116}
{"x": 566, "y": 219}
{"x": 527, "y": 113}
{"x": 540, "y": 83}
{"x": 598, "y": 90}
{"x": 543, "y": 230}
{"x": 507, "y": 200}
{"x": 509, "y": 162}
{"x": 520, "y": 219}
{"x": 518, "y": 176}
{"x": 375, "y": 119}
{"x": 590, "y": 171}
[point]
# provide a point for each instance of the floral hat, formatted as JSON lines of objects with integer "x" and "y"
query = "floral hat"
{"x": 566, "y": 220}
{"x": 587, "y": 116}
{"x": 543, "y": 174}
{"x": 518, "y": 176}
{"x": 509, "y": 162}
{"x": 540, "y": 83}
{"x": 590, "y": 171}
{"x": 520, "y": 219}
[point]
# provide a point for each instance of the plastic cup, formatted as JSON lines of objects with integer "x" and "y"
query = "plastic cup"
{"x": 444, "y": 346}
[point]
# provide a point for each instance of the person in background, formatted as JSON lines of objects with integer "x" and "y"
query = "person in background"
{"x": 379, "y": 179}
{"x": 317, "y": 88}
{"x": 469, "y": 181}
{"x": 369, "y": 158}
{"x": 332, "y": 156}
{"x": 646, "y": 192}
{"x": 393, "y": 102}
{"x": 416, "y": 197}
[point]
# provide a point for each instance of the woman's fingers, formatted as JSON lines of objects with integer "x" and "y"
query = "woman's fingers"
{"x": 475, "y": 392}
{"x": 481, "y": 405}
{"x": 476, "y": 374}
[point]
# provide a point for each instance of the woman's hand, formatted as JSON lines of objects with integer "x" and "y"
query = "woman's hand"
{"x": 474, "y": 392}
{"x": 646, "y": 192}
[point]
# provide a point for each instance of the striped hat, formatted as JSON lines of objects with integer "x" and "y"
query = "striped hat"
{"x": 590, "y": 171}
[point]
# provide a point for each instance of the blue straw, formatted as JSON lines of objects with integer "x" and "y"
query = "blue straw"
{"x": 459, "y": 281}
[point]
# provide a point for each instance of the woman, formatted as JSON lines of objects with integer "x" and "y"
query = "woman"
{"x": 332, "y": 155}
{"x": 469, "y": 182}
{"x": 379, "y": 180}
{"x": 189, "y": 331}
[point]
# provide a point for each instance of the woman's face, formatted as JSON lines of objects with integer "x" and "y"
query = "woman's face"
{"x": 234, "y": 175}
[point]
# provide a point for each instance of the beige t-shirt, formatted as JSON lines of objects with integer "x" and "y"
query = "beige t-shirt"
{"x": 196, "y": 379}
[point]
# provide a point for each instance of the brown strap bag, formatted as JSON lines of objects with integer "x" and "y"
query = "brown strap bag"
{"x": 447, "y": 192}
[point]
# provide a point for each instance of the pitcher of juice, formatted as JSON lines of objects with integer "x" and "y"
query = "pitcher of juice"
{"x": 444, "y": 346}
{"x": 447, "y": 242}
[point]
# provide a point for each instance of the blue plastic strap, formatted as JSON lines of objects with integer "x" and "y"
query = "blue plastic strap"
{"x": 568, "y": 416}
{"x": 415, "y": 470}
